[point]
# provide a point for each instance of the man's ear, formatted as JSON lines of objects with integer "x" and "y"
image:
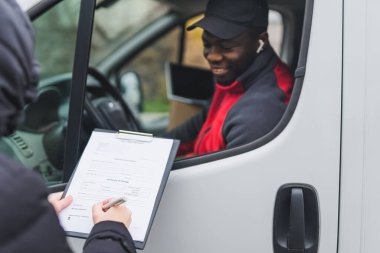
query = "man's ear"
{"x": 264, "y": 37}
{"x": 262, "y": 41}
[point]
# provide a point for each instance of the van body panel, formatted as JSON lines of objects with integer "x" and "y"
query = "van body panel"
{"x": 360, "y": 202}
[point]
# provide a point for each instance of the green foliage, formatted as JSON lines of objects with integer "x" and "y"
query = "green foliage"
{"x": 158, "y": 105}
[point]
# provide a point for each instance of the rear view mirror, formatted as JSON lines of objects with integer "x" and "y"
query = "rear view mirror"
{"x": 131, "y": 91}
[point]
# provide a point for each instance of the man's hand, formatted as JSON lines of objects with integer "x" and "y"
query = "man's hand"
{"x": 116, "y": 213}
{"x": 58, "y": 203}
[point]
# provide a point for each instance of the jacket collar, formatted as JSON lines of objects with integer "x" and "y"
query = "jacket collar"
{"x": 263, "y": 63}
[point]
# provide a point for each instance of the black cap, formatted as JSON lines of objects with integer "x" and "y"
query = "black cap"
{"x": 227, "y": 19}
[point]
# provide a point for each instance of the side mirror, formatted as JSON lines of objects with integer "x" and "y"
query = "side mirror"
{"x": 131, "y": 91}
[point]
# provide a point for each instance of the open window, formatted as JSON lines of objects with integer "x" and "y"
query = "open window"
{"x": 135, "y": 66}
{"x": 289, "y": 28}
{"x": 144, "y": 64}
{"x": 289, "y": 31}
{"x": 132, "y": 55}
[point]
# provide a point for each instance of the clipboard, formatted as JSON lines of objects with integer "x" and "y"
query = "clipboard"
{"x": 130, "y": 138}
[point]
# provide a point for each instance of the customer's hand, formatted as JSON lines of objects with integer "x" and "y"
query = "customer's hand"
{"x": 116, "y": 213}
{"x": 58, "y": 203}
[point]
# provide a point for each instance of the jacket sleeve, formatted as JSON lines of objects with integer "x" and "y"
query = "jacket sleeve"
{"x": 188, "y": 132}
{"x": 109, "y": 236}
{"x": 30, "y": 223}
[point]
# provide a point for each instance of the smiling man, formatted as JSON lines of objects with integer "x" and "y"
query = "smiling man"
{"x": 253, "y": 86}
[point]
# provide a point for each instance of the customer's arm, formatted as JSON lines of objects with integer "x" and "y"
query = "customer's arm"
{"x": 110, "y": 233}
{"x": 188, "y": 132}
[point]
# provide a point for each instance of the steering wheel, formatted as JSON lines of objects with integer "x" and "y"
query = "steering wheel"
{"x": 38, "y": 142}
{"x": 108, "y": 110}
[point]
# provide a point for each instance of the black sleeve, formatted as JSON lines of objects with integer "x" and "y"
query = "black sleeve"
{"x": 189, "y": 130}
{"x": 109, "y": 236}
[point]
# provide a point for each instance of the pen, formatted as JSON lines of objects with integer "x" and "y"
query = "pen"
{"x": 114, "y": 202}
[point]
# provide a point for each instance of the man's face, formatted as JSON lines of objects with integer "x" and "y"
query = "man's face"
{"x": 228, "y": 59}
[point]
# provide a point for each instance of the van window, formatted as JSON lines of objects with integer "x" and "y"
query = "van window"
{"x": 286, "y": 26}
{"x": 141, "y": 60}
{"x": 157, "y": 112}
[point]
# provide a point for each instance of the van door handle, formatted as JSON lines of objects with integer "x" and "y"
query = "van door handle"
{"x": 296, "y": 220}
{"x": 296, "y": 236}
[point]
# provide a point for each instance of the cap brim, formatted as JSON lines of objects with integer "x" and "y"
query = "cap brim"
{"x": 219, "y": 27}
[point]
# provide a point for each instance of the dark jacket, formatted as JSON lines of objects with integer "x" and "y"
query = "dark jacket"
{"x": 28, "y": 223}
{"x": 240, "y": 112}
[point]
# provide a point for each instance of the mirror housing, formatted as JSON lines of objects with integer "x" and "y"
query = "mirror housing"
{"x": 131, "y": 91}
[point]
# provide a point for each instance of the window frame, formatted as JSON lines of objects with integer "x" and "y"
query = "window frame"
{"x": 40, "y": 8}
{"x": 80, "y": 70}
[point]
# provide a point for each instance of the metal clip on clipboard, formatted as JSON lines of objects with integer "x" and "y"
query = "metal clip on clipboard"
{"x": 136, "y": 136}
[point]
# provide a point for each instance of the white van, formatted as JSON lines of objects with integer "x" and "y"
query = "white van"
{"x": 310, "y": 185}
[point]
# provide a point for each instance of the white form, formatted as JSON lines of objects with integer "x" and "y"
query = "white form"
{"x": 111, "y": 167}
